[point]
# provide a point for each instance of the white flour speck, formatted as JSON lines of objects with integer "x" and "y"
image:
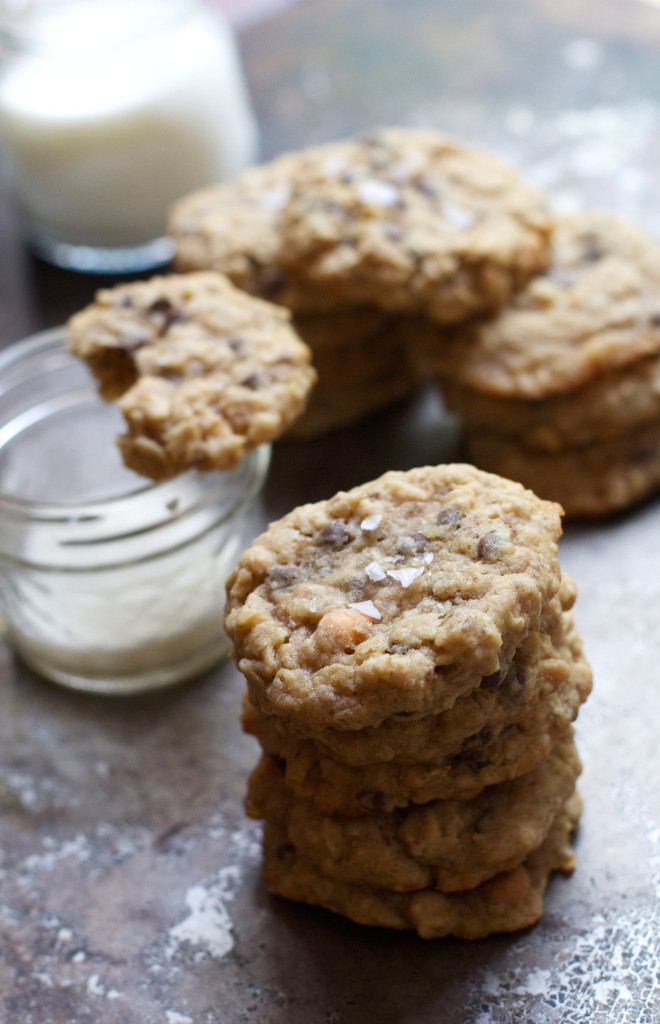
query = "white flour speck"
{"x": 208, "y": 925}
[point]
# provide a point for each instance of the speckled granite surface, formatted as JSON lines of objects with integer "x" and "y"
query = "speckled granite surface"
{"x": 129, "y": 876}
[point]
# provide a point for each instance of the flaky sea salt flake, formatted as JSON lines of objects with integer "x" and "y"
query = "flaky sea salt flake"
{"x": 374, "y": 572}
{"x": 367, "y": 608}
{"x": 405, "y": 576}
{"x": 371, "y": 522}
{"x": 378, "y": 193}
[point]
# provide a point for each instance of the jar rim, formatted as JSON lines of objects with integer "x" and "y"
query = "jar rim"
{"x": 255, "y": 461}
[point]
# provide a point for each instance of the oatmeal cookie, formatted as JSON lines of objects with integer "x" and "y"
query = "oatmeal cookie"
{"x": 393, "y": 598}
{"x": 412, "y": 220}
{"x": 400, "y": 218}
{"x": 486, "y": 758}
{"x": 612, "y": 404}
{"x": 596, "y": 309}
{"x": 593, "y": 480}
{"x": 366, "y": 360}
{"x": 444, "y": 844}
{"x": 507, "y": 902}
{"x": 204, "y": 371}
{"x": 542, "y": 662}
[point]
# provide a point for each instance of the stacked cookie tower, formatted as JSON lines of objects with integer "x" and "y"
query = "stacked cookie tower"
{"x": 413, "y": 672}
{"x": 561, "y": 389}
{"x": 374, "y": 244}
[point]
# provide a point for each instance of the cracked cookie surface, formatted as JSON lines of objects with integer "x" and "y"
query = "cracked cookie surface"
{"x": 204, "y": 372}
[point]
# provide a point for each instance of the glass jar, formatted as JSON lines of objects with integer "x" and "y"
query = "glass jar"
{"x": 109, "y": 584}
{"x": 109, "y": 111}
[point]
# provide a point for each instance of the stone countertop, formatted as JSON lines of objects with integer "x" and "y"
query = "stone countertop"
{"x": 129, "y": 876}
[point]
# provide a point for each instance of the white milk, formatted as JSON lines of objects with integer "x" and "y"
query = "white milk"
{"x": 113, "y": 110}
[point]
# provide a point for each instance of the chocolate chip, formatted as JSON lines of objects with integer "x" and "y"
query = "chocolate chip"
{"x": 392, "y": 231}
{"x": 514, "y": 685}
{"x": 471, "y": 755}
{"x": 285, "y": 852}
{"x": 450, "y": 516}
{"x": 171, "y": 315}
{"x": 282, "y": 576}
{"x": 593, "y": 250}
{"x": 373, "y": 800}
{"x": 252, "y": 381}
{"x": 272, "y": 282}
{"x": 489, "y": 545}
{"x": 237, "y": 345}
{"x": 654, "y": 319}
{"x": 426, "y": 187}
{"x": 161, "y": 305}
{"x": 488, "y": 682}
{"x": 334, "y": 534}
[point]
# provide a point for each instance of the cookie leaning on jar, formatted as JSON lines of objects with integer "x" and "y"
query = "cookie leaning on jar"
{"x": 383, "y": 239}
{"x": 421, "y": 605}
{"x": 203, "y": 372}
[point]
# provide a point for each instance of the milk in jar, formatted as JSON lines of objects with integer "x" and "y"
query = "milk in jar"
{"x": 109, "y": 111}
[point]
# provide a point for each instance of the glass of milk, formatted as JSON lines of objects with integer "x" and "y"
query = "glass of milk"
{"x": 108, "y": 583}
{"x": 109, "y": 111}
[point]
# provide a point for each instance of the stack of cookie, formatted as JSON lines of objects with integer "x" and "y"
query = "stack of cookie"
{"x": 374, "y": 244}
{"x": 413, "y": 673}
{"x": 561, "y": 390}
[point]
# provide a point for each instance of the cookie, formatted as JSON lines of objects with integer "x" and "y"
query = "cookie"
{"x": 205, "y": 371}
{"x": 486, "y": 758}
{"x": 507, "y": 902}
{"x": 233, "y": 228}
{"x": 412, "y": 220}
{"x": 593, "y": 480}
{"x": 612, "y": 404}
{"x": 541, "y": 663}
{"x": 445, "y": 844}
{"x": 596, "y": 309}
{"x": 366, "y": 360}
{"x": 400, "y": 219}
{"x": 392, "y": 598}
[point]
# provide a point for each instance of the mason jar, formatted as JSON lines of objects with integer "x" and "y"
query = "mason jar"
{"x": 109, "y": 111}
{"x": 108, "y": 583}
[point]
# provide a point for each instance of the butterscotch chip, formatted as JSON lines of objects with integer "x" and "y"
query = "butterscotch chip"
{"x": 444, "y": 844}
{"x": 486, "y": 758}
{"x": 593, "y": 480}
{"x": 506, "y": 902}
{"x": 393, "y": 598}
{"x": 204, "y": 371}
{"x": 596, "y": 309}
